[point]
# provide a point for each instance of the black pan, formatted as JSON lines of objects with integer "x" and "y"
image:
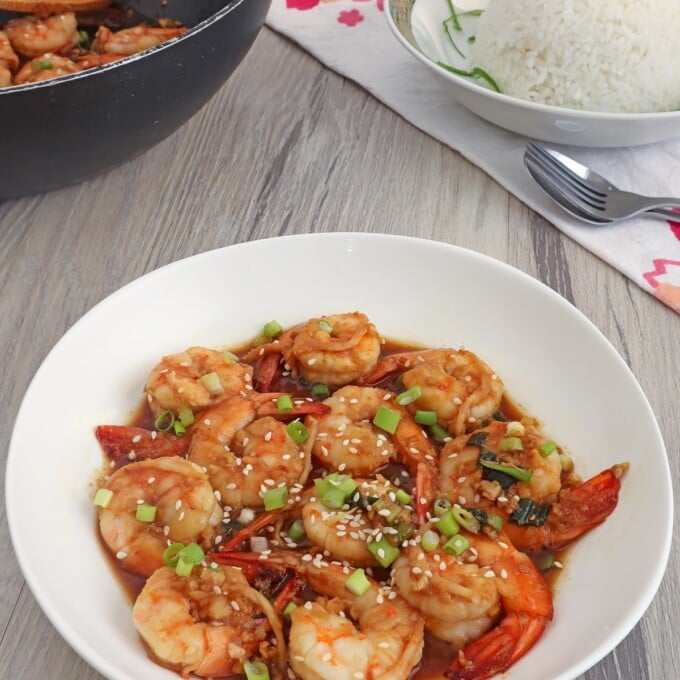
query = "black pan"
{"x": 60, "y": 132}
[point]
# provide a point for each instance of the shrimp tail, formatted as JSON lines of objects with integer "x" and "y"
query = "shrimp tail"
{"x": 265, "y": 519}
{"x": 265, "y": 371}
{"x": 498, "y": 649}
{"x": 124, "y": 444}
{"x": 578, "y": 510}
{"x": 424, "y": 491}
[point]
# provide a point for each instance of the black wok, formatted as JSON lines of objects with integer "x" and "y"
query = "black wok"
{"x": 59, "y": 132}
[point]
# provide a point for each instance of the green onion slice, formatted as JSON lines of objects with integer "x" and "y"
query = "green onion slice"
{"x": 211, "y": 382}
{"x": 183, "y": 567}
{"x": 272, "y": 329}
{"x": 429, "y": 540}
{"x": 402, "y": 497}
{"x": 547, "y": 447}
{"x": 41, "y": 65}
{"x": 171, "y": 554}
{"x": 275, "y": 499}
{"x": 255, "y": 670}
{"x": 466, "y": 519}
{"x": 164, "y": 422}
{"x": 456, "y": 545}
{"x": 103, "y": 497}
{"x": 230, "y": 355}
{"x": 284, "y": 404}
{"x": 426, "y": 417}
{"x": 518, "y": 473}
{"x": 511, "y": 444}
{"x": 333, "y": 499}
{"x": 447, "y": 524}
{"x": 357, "y": 582}
{"x": 494, "y": 521}
{"x": 186, "y": 417}
{"x": 320, "y": 390}
{"x": 296, "y": 530}
{"x": 441, "y": 506}
{"x": 178, "y": 428}
{"x": 440, "y": 433}
{"x": 408, "y": 396}
{"x": 325, "y": 326}
{"x": 290, "y": 607}
{"x": 297, "y": 431}
{"x": 383, "y": 551}
{"x": 387, "y": 419}
{"x": 146, "y": 513}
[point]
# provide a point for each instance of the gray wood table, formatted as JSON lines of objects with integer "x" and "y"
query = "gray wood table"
{"x": 285, "y": 150}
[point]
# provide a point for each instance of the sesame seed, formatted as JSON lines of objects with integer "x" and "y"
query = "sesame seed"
{"x": 384, "y": 645}
{"x": 268, "y": 436}
{"x": 307, "y": 558}
{"x": 327, "y": 656}
{"x": 461, "y": 500}
{"x": 353, "y": 449}
{"x": 121, "y": 554}
{"x": 178, "y": 504}
{"x": 286, "y": 456}
{"x": 132, "y": 455}
{"x": 442, "y": 566}
{"x": 457, "y": 401}
{"x": 502, "y": 545}
{"x": 358, "y": 675}
{"x": 414, "y": 450}
{"x": 166, "y": 530}
{"x": 472, "y": 419}
{"x": 151, "y": 480}
{"x": 416, "y": 570}
{"x": 218, "y": 495}
{"x": 504, "y": 573}
{"x": 231, "y": 485}
{"x": 387, "y": 397}
{"x": 559, "y": 565}
{"x": 246, "y": 441}
{"x": 207, "y": 421}
{"x": 137, "y": 438}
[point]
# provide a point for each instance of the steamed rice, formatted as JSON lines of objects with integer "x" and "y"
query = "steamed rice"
{"x": 598, "y": 55}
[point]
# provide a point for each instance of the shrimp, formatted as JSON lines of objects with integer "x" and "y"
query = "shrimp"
{"x": 456, "y": 384}
{"x": 246, "y": 450}
{"x": 571, "y": 507}
{"x": 186, "y": 511}
{"x": 33, "y": 36}
{"x": 208, "y": 623}
{"x": 333, "y": 350}
{"x": 9, "y": 61}
{"x": 490, "y": 602}
{"x": 348, "y": 441}
{"x": 179, "y": 380}
{"x": 132, "y": 40}
{"x": 373, "y": 635}
{"x": 46, "y": 67}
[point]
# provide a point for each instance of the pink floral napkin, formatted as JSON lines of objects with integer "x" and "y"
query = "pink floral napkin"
{"x": 352, "y": 37}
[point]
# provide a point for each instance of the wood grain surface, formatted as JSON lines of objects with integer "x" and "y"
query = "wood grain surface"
{"x": 289, "y": 147}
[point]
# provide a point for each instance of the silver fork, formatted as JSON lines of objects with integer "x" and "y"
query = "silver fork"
{"x": 587, "y": 195}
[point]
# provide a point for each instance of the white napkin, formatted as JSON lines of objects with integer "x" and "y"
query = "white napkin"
{"x": 352, "y": 37}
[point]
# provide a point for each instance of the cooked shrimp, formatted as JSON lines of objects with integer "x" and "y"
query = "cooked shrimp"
{"x": 33, "y": 36}
{"x": 347, "y": 440}
{"x": 179, "y": 381}
{"x": 46, "y": 67}
{"x": 456, "y": 384}
{"x": 246, "y": 450}
{"x": 464, "y": 480}
{"x": 186, "y": 511}
{"x": 490, "y": 601}
{"x": 371, "y": 636}
{"x": 333, "y": 350}
{"x": 9, "y": 61}
{"x": 208, "y": 623}
{"x": 132, "y": 40}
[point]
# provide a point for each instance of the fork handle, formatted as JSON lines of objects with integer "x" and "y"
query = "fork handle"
{"x": 663, "y": 213}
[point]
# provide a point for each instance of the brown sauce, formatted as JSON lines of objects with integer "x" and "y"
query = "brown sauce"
{"x": 437, "y": 655}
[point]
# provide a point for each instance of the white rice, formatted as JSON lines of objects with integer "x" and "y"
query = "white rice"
{"x": 597, "y": 55}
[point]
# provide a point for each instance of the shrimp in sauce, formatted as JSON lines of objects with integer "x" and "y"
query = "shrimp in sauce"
{"x": 33, "y": 36}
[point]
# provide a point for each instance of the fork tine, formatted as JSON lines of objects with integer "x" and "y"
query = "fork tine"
{"x": 555, "y": 189}
{"x": 579, "y": 184}
{"x": 562, "y": 177}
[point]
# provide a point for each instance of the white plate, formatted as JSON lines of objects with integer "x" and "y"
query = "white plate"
{"x": 419, "y": 28}
{"x": 552, "y": 359}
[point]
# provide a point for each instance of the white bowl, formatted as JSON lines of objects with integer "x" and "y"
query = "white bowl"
{"x": 552, "y": 359}
{"x": 418, "y": 27}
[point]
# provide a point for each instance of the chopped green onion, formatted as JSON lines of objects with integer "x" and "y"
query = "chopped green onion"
{"x": 456, "y": 545}
{"x": 272, "y": 329}
{"x": 511, "y": 444}
{"x": 408, "y": 396}
{"x": 290, "y": 608}
{"x": 41, "y": 64}
{"x": 547, "y": 447}
{"x": 346, "y": 484}
{"x": 426, "y": 418}
{"x": 103, "y": 497}
{"x": 211, "y": 382}
{"x": 357, "y": 582}
{"x": 284, "y": 404}
{"x": 297, "y": 431}
{"x": 402, "y": 497}
{"x": 545, "y": 562}
{"x": 275, "y": 499}
{"x": 387, "y": 510}
{"x": 494, "y": 521}
{"x": 440, "y": 433}
{"x": 515, "y": 429}
{"x": 518, "y": 473}
{"x": 84, "y": 41}
{"x": 387, "y": 419}
{"x": 164, "y": 422}
{"x": 447, "y": 524}
{"x": 178, "y": 428}
{"x": 171, "y": 554}
{"x": 530, "y": 513}
{"x": 230, "y": 355}
{"x": 441, "y": 506}
{"x": 186, "y": 417}
{"x": 466, "y": 519}
{"x": 325, "y": 326}
{"x": 146, "y": 513}
{"x": 255, "y": 670}
{"x": 296, "y": 530}
{"x": 429, "y": 540}
{"x": 320, "y": 390}
{"x": 383, "y": 551}
{"x": 183, "y": 567}
{"x": 333, "y": 498}
{"x": 192, "y": 553}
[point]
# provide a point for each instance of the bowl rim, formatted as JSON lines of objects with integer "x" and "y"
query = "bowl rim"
{"x": 168, "y": 44}
{"x": 506, "y": 99}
